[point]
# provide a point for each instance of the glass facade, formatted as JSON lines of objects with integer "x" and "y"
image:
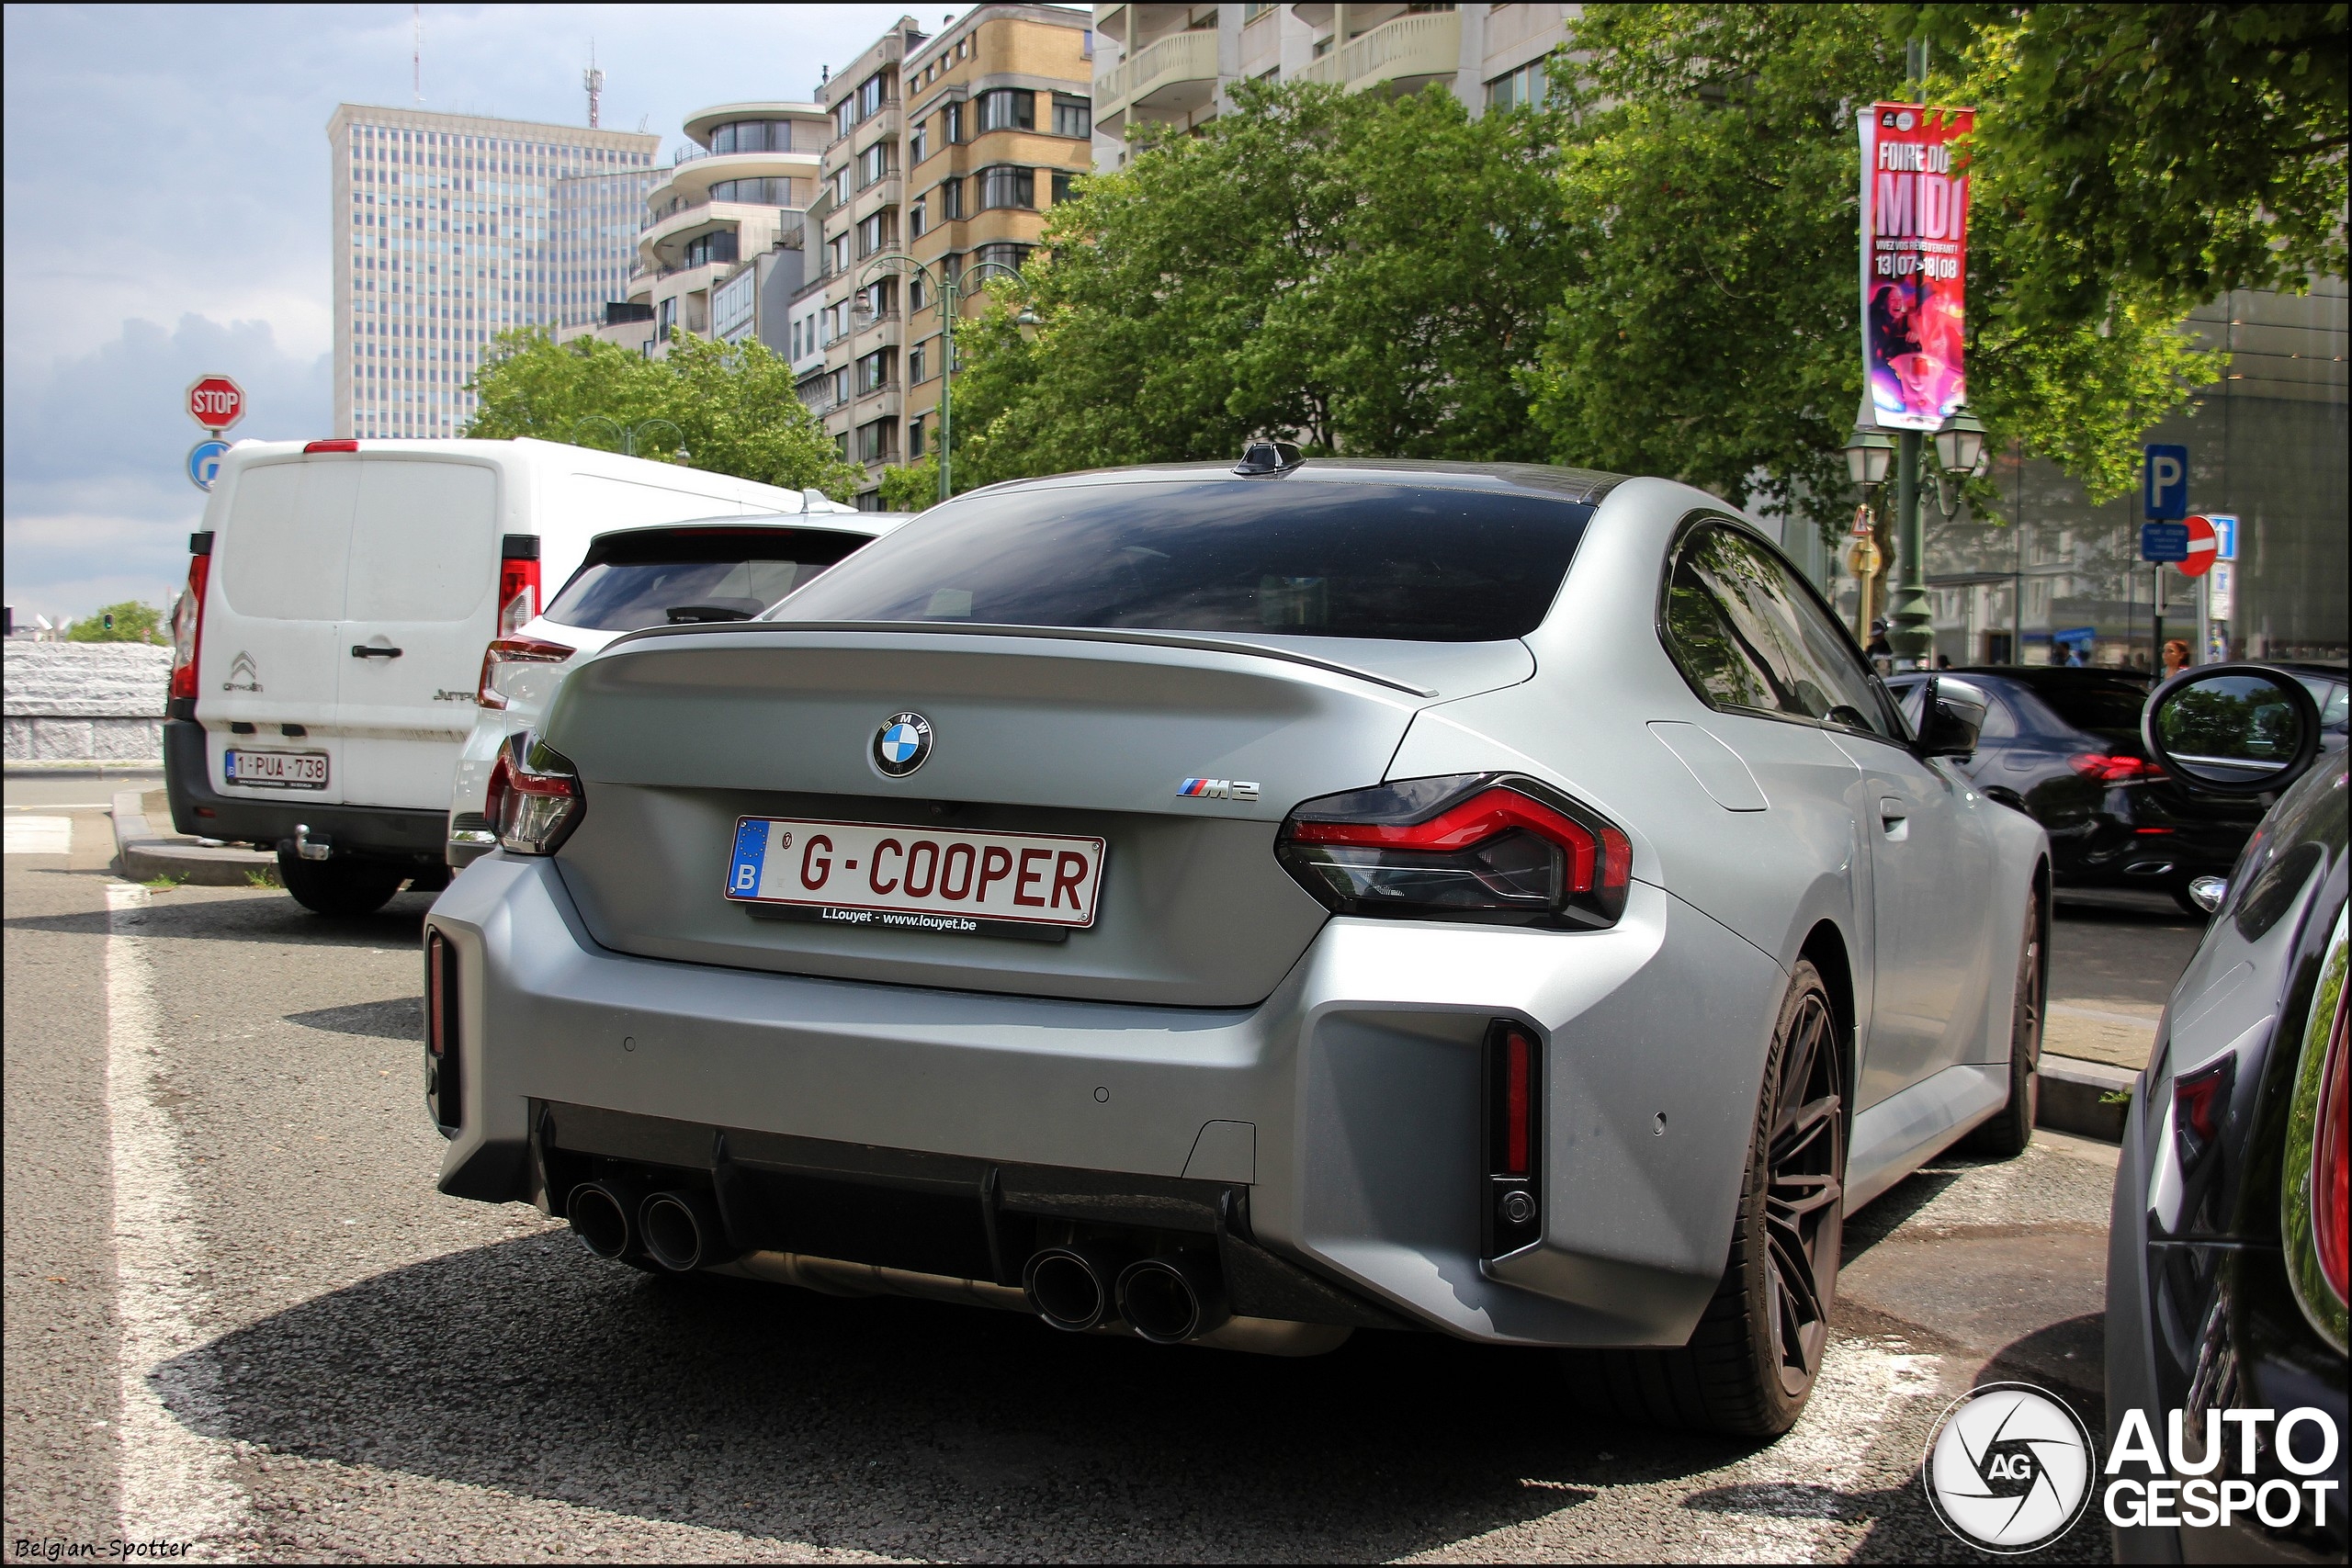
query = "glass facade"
{"x": 455, "y": 230}
{"x": 2056, "y": 579}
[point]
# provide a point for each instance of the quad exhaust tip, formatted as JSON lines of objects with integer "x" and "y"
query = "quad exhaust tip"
{"x": 1075, "y": 1288}
{"x": 1170, "y": 1300}
{"x": 601, "y": 1213}
{"x": 682, "y": 1231}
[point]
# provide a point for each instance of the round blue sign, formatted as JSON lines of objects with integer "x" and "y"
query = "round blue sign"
{"x": 204, "y": 462}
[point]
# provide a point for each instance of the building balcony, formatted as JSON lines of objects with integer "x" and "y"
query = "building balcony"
{"x": 882, "y": 192}
{"x": 883, "y": 121}
{"x": 1164, "y": 80}
{"x": 1406, "y": 53}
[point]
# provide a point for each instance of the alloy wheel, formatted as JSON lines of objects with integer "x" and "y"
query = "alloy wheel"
{"x": 1805, "y": 1191}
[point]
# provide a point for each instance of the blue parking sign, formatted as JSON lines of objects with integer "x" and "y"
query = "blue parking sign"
{"x": 2164, "y": 483}
{"x": 203, "y": 465}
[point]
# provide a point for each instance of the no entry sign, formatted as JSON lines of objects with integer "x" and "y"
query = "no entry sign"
{"x": 215, "y": 402}
{"x": 2204, "y": 547}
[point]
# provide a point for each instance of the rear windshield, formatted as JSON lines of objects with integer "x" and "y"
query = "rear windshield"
{"x": 677, "y": 577}
{"x": 1294, "y": 556}
{"x": 2102, "y": 705}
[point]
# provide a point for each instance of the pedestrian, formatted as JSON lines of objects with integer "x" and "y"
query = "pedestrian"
{"x": 1880, "y": 652}
{"x": 1943, "y": 660}
{"x": 2176, "y": 657}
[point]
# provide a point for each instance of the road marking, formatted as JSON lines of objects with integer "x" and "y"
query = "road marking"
{"x": 174, "y": 1482}
{"x": 39, "y": 836}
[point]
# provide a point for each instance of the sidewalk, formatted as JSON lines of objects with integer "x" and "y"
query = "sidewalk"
{"x": 143, "y": 853}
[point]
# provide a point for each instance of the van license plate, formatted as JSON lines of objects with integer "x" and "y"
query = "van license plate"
{"x": 916, "y": 879}
{"x": 275, "y": 769}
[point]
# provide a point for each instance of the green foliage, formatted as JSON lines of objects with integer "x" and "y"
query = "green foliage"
{"x": 133, "y": 622}
{"x": 1710, "y": 181}
{"x": 734, "y": 404}
{"x": 2173, "y": 152}
{"x": 910, "y": 487}
{"x": 1356, "y": 272}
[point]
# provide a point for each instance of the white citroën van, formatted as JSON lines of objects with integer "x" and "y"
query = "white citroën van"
{"x": 330, "y": 642}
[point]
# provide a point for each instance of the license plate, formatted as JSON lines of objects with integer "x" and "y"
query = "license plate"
{"x": 916, "y": 879}
{"x": 275, "y": 769}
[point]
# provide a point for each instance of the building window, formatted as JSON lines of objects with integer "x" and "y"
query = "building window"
{"x": 1008, "y": 109}
{"x": 1007, "y": 184}
{"x": 844, "y": 118}
{"x": 955, "y": 124}
{"x": 668, "y": 318}
{"x": 1002, "y": 254}
{"x": 709, "y": 248}
{"x": 951, "y": 199}
{"x": 917, "y": 218}
{"x": 919, "y": 144}
{"x": 873, "y": 234}
{"x": 871, "y": 94}
{"x": 872, "y": 163}
{"x": 1073, "y": 117}
{"x": 773, "y": 190}
{"x": 841, "y": 392}
{"x": 1061, "y": 186}
{"x": 916, "y": 293}
{"x": 1253, "y": 10}
{"x": 874, "y": 444}
{"x": 1519, "y": 89}
{"x": 914, "y": 438}
{"x": 873, "y": 371}
{"x": 918, "y": 361}
{"x": 753, "y": 136}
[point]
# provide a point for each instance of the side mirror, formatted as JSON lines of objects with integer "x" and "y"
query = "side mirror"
{"x": 2231, "y": 729}
{"x": 1950, "y": 714}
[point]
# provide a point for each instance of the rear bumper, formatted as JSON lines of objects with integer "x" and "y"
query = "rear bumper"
{"x": 1345, "y": 1108}
{"x": 373, "y": 832}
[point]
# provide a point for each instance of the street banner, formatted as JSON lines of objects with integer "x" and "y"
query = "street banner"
{"x": 1914, "y": 263}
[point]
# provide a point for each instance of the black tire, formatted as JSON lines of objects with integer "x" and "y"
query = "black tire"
{"x": 340, "y": 886}
{"x": 1750, "y": 1364}
{"x": 2011, "y": 1128}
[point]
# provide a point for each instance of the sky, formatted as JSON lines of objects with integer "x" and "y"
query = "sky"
{"x": 166, "y": 196}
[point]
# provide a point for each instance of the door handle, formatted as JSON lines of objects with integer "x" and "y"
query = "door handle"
{"x": 361, "y": 650}
{"x": 1892, "y": 815}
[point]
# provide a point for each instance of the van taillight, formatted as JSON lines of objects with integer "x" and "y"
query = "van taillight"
{"x": 518, "y": 582}
{"x": 1514, "y": 1213}
{"x": 441, "y": 1064}
{"x": 187, "y": 617}
{"x": 343, "y": 444}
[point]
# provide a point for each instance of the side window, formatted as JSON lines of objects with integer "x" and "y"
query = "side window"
{"x": 1802, "y": 664}
{"x": 1724, "y": 667}
{"x": 2000, "y": 723}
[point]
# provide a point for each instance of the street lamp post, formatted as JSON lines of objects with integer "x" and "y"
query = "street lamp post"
{"x": 627, "y": 434}
{"x": 950, "y": 286}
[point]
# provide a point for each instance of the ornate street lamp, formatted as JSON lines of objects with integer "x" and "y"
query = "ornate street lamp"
{"x": 628, "y": 435}
{"x": 948, "y": 287}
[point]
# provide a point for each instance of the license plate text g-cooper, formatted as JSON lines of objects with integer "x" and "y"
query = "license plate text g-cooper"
{"x": 921, "y": 878}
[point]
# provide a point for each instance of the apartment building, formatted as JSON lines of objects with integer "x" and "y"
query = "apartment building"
{"x": 1175, "y": 64}
{"x": 948, "y": 152}
{"x": 450, "y": 229}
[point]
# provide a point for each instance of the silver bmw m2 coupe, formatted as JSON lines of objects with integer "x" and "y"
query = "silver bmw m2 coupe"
{"x": 1243, "y": 905}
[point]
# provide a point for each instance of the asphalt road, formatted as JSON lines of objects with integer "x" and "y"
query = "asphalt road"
{"x": 239, "y": 1316}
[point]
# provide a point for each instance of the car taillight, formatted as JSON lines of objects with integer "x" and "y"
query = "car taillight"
{"x": 187, "y": 616}
{"x": 441, "y": 1059}
{"x": 2200, "y": 1101}
{"x": 1468, "y": 847}
{"x": 1514, "y": 1215}
{"x": 337, "y": 444}
{"x": 518, "y": 583}
{"x": 2114, "y": 768}
{"x": 2331, "y": 1142}
{"x": 534, "y": 800}
{"x": 500, "y": 659}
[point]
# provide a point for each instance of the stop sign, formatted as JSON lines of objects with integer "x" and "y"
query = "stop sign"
{"x": 2204, "y": 549}
{"x": 216, "y": 402}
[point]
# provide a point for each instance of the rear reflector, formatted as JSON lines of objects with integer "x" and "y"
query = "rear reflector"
{"x": 1466, "y": 847}
{"x": 441, "y": 1060}
{"x": 1513, "y": 1209}
{"x": 338, "y": 446}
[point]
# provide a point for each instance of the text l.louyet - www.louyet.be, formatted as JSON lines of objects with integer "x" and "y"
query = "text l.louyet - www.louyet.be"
{"x": 2149, "y": 1483}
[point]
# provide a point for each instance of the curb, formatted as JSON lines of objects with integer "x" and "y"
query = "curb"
{"x": 2074, "y": 1098}
{"x": 134, "y": 767}
{"x": 141, "y": 853}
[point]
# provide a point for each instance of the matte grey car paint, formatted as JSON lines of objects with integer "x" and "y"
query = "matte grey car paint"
{"x": 1348, "y": 1047}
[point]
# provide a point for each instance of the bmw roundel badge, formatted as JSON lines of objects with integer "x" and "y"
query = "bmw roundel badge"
{"x": 902, "y": 744}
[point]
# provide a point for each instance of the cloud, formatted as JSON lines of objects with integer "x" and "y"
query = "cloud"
{"x": 97, "y": 499}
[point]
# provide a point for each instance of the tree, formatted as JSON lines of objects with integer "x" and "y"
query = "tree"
{"x": 734, "y": 403}
{"x": 1711, "y": 332}
{"x": 1363, "y": 274}
{"x": 2188, "y": 149}
{"x": 129, "y": 621}
{"x": 910, "y": 487}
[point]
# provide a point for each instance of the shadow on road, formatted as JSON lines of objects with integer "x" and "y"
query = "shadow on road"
{"x": 905, "y": 1427}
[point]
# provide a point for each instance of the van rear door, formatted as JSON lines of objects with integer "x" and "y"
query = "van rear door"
{"x": 277, "y": 609}
{"x": 418, "y": 609}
